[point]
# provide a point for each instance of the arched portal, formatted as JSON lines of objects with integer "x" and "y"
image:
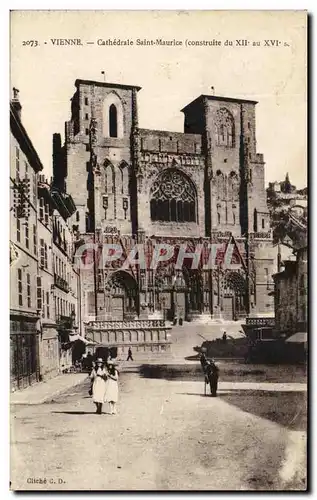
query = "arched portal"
{"x": 235, "y": 296}
{"x": 121, "y": 291}
{"x": 194, "y": 291}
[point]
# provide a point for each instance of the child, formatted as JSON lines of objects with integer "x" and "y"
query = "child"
{"x": 99, "y": 381}
{"x": 111, "y": 395}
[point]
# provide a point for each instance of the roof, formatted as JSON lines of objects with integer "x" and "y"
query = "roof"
{"x": 299, "y": 337}
{"x": 24, "y": 140}
{"x": 106, "y": 84}
{"x": 218, "y": 98}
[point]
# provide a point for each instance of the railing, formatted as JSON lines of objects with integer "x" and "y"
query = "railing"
{"x": 260, "y": 321}
{"x": 64, "y": 321}
{"x": 133, "y": 324}
{"x": 61, "y": 283}
{"x": 262, "y": 235}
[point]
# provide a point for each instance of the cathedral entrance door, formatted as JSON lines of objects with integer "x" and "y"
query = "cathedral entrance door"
{"x": 117, "y": 308}
{"x": 123, "y": 293}
{"x": 227, "y": 308}
{"x": 180, "y": 305}
{"x": 235, "y": 296}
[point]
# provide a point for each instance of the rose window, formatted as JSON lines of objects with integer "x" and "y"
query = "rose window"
{"x": 173, "y": 198}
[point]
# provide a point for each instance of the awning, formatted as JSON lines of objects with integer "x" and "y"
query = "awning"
{"x": 299, "y": 337}
{"x": 73, "y": 338}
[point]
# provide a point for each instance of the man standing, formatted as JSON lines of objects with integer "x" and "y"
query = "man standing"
{"x": 212, "y": 374}
{"x": 129, "y": 354}
{"x": 202, "y": 358}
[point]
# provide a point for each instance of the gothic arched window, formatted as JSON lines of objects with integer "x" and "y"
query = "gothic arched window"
{"x": 219, "y": 182}
{"x": 224, "y": 128}
{"x": 173, "y": 198}
{"x": 113, "y": 121}
{"x": 233, "y": 186}
{"x": 112, "y": 116}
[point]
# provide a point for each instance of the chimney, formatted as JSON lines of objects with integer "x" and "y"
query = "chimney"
{"x": 16, "y": 102}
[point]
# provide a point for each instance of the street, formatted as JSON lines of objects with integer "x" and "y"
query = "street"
{"x": 166, "y": 436}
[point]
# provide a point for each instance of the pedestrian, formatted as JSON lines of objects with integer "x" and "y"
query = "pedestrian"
{"x": 202, "y": 357}
{"x": 98, "y": 377}
{"x": 112, "y": 390}
{"x": 224, "y": 337}
{"x": 212, "y": 375}
{"x": 129, "y": 354}
{"x": 89, "y": 361}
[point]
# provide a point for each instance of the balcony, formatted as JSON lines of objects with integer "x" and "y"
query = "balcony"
{"x": 64, "y": 322}
{"x": 61, "y": 283}
{"x": 263, "y": 321}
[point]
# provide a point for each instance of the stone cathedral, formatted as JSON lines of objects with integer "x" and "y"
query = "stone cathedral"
{"x": 134, "y": 185}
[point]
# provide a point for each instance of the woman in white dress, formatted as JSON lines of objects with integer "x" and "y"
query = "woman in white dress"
{"x": 99, "y": 377}
{"x": 112, "y": 391}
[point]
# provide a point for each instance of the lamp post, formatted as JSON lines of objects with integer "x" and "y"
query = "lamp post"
{"x": 72, "y": 319}
{"x": 164, "y": 303}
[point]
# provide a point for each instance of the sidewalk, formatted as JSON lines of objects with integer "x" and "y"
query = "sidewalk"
{"x": 46, "y": 391}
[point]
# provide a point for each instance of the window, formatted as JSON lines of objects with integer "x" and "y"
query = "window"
{"x": 39, "y": 293}
{"x": 18, "y": 230}
{"x": 28, "y": 289}
{"x": 86, "y": 116}
{"x": 46, "y": 213}
{"x": 219, "y": 218}
{"x": 233, "y": 218}
{"x": 42, "y": 253}
{"x": 34, "y": 189}
{"x": 173, "y": 198}
{"x": 86, "y": 101}
{"x": 87, "y": 131}
{"x": 27, "y": 241}
{"x": 34, "y": 240}
{"x": 47, "y": 304}
{"x": 113, "y": 121}
{"x": 42, "y": 209}
{"x": 77, "y": 216}
{"x": 224, "y": 128}
{"x": 125, "y": 206}
{"x": 45, "y": 256}
{"x": 263, "y": 224}
{"x": 20, "y": 287}
{"x": 17, "y": 162}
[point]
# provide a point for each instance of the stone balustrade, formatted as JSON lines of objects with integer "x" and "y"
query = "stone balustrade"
{"x": 263, "y": 321}
{"x": 144, "y": 335}
{"x": 131, "y": 324}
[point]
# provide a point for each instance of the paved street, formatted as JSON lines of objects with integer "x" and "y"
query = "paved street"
{"x": 167, "y": 436}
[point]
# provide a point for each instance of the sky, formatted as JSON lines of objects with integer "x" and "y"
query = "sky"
{"x": 170, "y": 76}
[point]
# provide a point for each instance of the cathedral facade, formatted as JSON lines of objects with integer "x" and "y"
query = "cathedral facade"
{"x": 139, "y": 186}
